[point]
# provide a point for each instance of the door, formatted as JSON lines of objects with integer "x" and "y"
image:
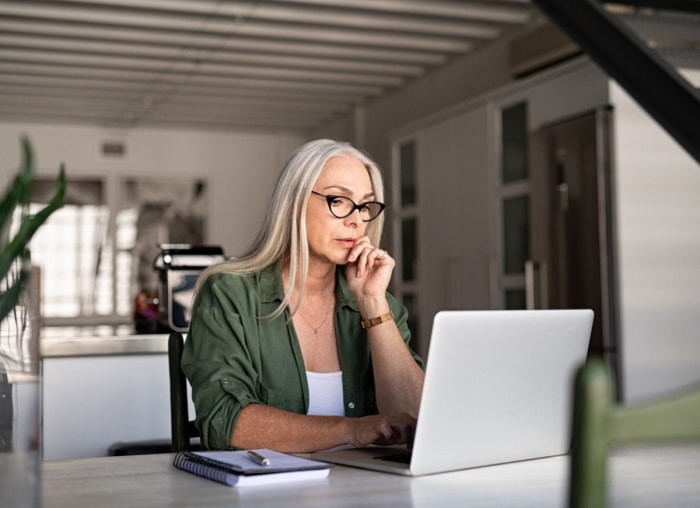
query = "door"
{"x": 572, "y": 263}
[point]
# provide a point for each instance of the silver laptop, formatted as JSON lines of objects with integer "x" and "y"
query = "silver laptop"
{"x": 498, "y": 388}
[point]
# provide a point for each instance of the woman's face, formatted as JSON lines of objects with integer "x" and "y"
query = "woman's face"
{"x": 331, "y": 238}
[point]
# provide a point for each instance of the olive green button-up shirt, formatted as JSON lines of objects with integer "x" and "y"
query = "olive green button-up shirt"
{"x": 234, "y": 356}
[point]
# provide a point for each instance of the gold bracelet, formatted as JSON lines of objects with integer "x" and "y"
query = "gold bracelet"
{"x": 369, "y": 323}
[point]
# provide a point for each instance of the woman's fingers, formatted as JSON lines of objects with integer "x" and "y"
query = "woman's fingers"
{"x": 384, "y": 429}
{"x": 366, "y": 256}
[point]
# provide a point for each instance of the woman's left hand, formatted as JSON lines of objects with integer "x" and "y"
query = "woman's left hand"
{"x": 368, "y": 269}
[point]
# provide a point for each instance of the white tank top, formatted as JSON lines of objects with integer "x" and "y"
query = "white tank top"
{"x": 325, "y": 393}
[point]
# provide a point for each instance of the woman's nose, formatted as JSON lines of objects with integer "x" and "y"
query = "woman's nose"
{"x": 354, "y": 219}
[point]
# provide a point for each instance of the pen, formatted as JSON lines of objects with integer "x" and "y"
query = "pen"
{"x": 256, "y": 457}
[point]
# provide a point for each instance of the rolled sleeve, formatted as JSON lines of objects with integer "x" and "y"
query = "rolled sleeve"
{"x": 220, "y": 359}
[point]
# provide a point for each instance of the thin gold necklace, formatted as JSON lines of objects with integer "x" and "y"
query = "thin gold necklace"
{"x": 325, "y": 318}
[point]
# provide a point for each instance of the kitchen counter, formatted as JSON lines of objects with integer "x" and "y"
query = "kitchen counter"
{"x": 104, "y": 346}
{"x": 99, "y": 391}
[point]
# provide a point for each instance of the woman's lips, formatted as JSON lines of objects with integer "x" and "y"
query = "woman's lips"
{"x": 346, "y": 242}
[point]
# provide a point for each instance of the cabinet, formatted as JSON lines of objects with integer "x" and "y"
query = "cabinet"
{"x": 97, "y": 391}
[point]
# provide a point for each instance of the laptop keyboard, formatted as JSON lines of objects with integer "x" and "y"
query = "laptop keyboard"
{"x": 402, "y": 458}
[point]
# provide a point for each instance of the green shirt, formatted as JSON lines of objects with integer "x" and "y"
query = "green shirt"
{"x": 234, "y": 357}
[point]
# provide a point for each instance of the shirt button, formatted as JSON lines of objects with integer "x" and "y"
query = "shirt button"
{"x": 351, "y": 405}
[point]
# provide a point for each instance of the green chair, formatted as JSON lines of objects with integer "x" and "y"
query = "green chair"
{"x": 183, "y": 430}
{"x": 599, "y": 424}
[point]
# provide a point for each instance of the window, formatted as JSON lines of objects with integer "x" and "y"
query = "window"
{"x": 95, "y": 255}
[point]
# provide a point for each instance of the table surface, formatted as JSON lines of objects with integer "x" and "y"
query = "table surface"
{"x": 664, "y": 476}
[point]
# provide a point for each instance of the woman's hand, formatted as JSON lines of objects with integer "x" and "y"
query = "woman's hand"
{"x": 383, "y": 429}
{"x": 368, "y": 269}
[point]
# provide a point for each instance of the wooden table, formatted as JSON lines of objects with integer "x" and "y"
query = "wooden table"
{"x": 668, "y": 477}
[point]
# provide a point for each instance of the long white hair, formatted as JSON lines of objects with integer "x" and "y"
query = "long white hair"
{"x": 283, "y": 234}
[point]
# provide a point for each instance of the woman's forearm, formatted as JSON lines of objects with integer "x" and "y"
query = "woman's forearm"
{"x": 261, "y": 426}
{"x": 398, "y": 378}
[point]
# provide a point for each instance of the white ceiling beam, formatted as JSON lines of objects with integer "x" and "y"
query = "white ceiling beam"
{"x": 70, "y": 115}
{"x": 229, "y": 28}
{"x": 45, "y": 69}
{"x": 164, "y": 67}
{"x": 87, "y": 34}
{"x": 452, "y": 22}
{"x": 176, "y": 102}
{"x": 146, "y": 87}
{"x": 79, "y": 86}
{"x": 489, "y": 10}
{"x": 161, "y": 53}
{"x": 508, "y": 11}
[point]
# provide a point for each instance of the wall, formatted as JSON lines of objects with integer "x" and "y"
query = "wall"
{"x": 241, "y": 167}
{"x": 658, "y": 219}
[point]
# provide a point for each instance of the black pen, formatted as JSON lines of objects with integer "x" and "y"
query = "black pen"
{"x": 256, "y": 457}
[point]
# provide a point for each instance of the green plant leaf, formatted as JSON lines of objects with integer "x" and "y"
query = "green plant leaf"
{"x": 19, "y": 189}
{"x": 16, "y": 247}
{"x": 30, "y": 224}
{"x": 9, "y": 298}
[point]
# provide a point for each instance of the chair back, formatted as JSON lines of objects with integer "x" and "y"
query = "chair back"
{"x": 599, "y": 423}
{"x": 182, "y": 428}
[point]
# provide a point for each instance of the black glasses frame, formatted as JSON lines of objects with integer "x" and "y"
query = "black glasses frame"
{"x": 331, "y": 197}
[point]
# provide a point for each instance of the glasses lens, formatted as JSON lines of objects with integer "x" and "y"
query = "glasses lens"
{"x": 341, "y": 206}
{"x": 371, "y": 210}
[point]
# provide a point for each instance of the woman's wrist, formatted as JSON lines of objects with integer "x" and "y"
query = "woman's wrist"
{"x": 377, "y": 320}
{"x": 373, "y": 307}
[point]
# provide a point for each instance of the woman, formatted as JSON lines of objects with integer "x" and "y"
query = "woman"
{"x": 297, "y": 346}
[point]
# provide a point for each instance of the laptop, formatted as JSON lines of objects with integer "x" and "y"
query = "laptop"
{"x": 498, "y": 388}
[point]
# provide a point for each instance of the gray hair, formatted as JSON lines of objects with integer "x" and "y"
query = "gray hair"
{"x": 283, "y": 234}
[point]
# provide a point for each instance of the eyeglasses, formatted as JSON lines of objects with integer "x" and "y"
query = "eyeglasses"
{"x": 342, "y": 207}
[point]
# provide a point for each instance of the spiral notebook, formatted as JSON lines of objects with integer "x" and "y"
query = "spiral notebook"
{"x": 237, "y": 469}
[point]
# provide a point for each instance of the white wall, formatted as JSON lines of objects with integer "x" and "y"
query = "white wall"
{"x": 658, "y": 197}
{"x": 240, "y": 168}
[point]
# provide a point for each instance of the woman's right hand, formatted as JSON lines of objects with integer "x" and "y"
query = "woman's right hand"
{"x": 383, "y": 429}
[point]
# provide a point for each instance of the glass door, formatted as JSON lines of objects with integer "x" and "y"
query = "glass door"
{"x": 405, "y": 232}
{"x": 514, "y": 202}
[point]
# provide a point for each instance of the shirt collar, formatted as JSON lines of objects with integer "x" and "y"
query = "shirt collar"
{"x": 271, "y": 287}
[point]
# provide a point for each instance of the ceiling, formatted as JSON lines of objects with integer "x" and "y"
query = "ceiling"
{"x": 285, "y": 65}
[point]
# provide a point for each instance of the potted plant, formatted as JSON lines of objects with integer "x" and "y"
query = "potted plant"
{"x": 19, "y": 437}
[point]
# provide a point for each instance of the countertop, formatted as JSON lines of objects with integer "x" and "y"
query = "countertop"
{"x": 104, "y": 346}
